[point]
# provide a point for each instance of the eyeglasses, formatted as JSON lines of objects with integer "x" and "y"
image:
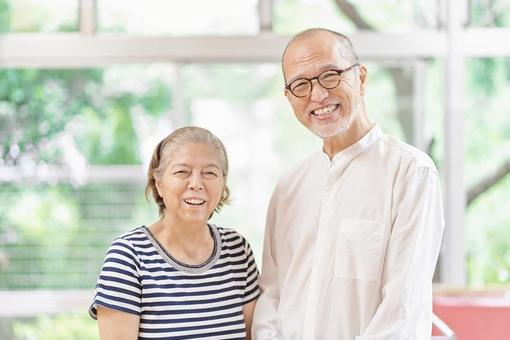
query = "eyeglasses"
{"x": 329, "y": 79}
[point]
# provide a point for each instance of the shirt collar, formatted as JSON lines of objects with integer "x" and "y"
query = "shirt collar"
{"x": 372, "y": 136}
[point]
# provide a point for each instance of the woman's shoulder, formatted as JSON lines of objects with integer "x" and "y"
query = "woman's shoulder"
{"x": 133, "y": 234}
{"x": 132, "y": 239}
{"x": 230, "y": 235}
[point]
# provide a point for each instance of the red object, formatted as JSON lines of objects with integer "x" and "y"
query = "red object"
{"x": 475, "y": 316}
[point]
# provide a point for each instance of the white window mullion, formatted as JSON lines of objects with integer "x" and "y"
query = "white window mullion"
{"x": 88, "y": 16}
{"x": 453, "y": 259}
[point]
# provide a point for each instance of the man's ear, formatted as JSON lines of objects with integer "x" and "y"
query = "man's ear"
{"x": 363, "y": 79}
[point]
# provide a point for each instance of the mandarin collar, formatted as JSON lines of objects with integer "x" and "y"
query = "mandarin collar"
{"x": 372, "y": 136}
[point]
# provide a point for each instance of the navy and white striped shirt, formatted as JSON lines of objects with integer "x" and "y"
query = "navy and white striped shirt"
{"x": 175, "y": 300}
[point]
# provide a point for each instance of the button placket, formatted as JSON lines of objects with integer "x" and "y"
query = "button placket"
{"x": 317, "y": 271}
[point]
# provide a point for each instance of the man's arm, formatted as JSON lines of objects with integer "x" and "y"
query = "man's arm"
{"x": 264, "y": 325}
{"x": 406, "y": 308}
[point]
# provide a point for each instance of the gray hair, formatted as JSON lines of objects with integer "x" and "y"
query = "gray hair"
{"x": 163, "y": 154}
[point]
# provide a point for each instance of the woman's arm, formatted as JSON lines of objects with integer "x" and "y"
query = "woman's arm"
{"x": 117, "y": 325}
{"x": 248, "y": 317}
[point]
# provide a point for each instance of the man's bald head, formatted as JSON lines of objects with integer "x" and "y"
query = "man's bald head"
{"x": 347, "y": 50}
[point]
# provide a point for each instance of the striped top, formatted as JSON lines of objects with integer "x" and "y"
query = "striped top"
{"x": 175, "y": 300}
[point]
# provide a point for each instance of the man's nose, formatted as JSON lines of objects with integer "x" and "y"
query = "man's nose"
{"x": 318, "y": 93}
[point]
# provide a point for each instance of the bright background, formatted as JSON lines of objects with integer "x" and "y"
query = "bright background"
{"x": 87, "y": 90}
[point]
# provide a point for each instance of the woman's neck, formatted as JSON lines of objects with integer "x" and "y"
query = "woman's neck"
{"x": 191, "y": 243}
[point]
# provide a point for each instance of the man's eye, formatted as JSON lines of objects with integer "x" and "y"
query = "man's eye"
{"x": 329, "y": 75}
{"x": 300, "y": 85}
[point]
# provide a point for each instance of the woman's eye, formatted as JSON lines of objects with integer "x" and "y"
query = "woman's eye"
{"x": 180, "y": 172}
{"x": 211, "y": 174}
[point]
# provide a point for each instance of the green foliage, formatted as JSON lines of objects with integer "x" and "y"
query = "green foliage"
{"x": 37, "y": 105}
{"x": 5, "y": 12}
{"x": 56, "y": 236}
{"x": 30, "y": 16}
{"x": 483, "y": 75}
{"x": 157, "y": 98}
{"x": 488, "y": 235}
{"x": 63, "y": 327}
{"x": 40, "y": 107}
{"x": 487, "y": 124}
{"x": 487, "y": 142}
{"x": 489, "y": 13}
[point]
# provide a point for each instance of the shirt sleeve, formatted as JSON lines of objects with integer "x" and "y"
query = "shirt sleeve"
{"x": 251, "y": 291}
{"x": 405, "y": 312}
{"x": 264, "y": 325}
{"x": 118, "y": 286}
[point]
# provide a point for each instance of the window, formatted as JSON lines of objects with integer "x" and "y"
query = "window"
{"x": 38, "y": 15}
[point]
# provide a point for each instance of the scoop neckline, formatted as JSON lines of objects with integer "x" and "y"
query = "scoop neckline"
{"x": 185, "y": 267}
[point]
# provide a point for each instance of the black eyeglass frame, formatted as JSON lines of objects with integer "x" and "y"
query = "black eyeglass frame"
{"x": 309, "y": 80}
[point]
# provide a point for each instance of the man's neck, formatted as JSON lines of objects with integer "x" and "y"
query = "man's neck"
{"x": 358, "y": 129}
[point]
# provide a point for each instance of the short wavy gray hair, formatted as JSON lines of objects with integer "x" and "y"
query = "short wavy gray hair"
{"x": 163, "y": 154}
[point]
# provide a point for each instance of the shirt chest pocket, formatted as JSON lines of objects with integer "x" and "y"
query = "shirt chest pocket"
{"x": 358, "y": 251}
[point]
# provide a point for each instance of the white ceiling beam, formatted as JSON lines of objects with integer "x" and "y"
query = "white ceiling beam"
{"x": 75, "y": 50}
{"x": 90, "y": 174}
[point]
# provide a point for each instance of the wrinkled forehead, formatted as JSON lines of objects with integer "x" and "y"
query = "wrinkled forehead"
{"x": 194, "y": 154}
{"x": 309, "y": 55}
{"x": 189, "y": 149}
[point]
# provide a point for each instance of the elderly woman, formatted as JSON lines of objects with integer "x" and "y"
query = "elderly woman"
{"x": 181, "y": 277}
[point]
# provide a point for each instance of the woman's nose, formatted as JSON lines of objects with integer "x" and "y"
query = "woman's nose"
{"x": 195, "y": 182}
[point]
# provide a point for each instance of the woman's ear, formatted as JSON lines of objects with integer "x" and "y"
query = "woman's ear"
{"x": 158, "y": 186}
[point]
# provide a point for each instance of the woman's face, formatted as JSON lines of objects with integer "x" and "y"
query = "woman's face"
{"x": 192, "y": 184}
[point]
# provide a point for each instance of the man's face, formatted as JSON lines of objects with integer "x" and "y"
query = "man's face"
{"x": 326, "y": 113}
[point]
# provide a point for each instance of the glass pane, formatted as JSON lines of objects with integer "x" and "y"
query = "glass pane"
{"x": 487, "y": 162}
{"x": 78, "y": 326}
{"x": 63, "y": 242}
{"x": 291, "y": 16}
{"x": 191, "y": 17}
{"x": 73, "y": 117}
{"x": 38, "y": 15}
{"x": 116, "y": 115}
{"x": 489, "y": 13}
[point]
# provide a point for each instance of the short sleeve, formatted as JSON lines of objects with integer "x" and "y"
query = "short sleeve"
{"x": 118, "y": 286}
{"x": 251, "y": 290}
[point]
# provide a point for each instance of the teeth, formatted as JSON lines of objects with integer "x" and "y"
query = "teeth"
{"x": 194, "y": 201}
{"x": 324, "y": 110}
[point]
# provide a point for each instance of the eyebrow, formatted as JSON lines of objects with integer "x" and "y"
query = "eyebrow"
{"x": 210, "y": 165}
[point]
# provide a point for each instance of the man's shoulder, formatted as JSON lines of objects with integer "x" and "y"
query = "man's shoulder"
{"x": 408, "y": 154}
{"x": 301, "y": 167}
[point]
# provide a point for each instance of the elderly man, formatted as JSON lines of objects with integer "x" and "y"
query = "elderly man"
{"x": 353, "y": 233}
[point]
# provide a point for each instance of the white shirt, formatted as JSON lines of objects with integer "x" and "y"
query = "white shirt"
{"x": 351, "y": 246}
